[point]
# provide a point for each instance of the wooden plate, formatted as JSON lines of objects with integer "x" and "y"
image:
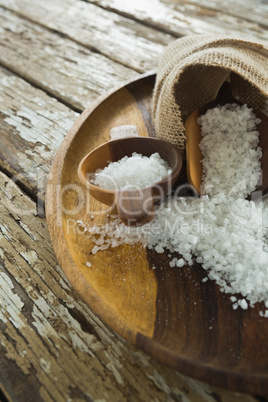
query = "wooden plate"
{"x": 167, "y": 312}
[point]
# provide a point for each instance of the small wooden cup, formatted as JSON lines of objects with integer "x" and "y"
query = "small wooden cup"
{"x": 135, "y": 207}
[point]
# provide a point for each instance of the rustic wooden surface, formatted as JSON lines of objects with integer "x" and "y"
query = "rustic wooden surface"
{"x": 56, "y": 57}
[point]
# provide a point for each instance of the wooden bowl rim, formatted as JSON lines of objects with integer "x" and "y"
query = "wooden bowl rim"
{"x": 175, "y": 171}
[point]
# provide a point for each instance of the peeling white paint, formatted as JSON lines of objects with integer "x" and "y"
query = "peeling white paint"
{"x": 10, "y": 302}
{"x": 30, "y": 256}
{"x": 5, "y": 232}
{"x": 44, "y": 329}
{"x": 111, "y": 366}
{"x": 14, "y": 203}
{"x": 45, "y": 365}
{"x": 205, "y": 16}
{"x": 63, "y": 284}
{"x": 27, "y": 230}
{"x": 80, "y": 339}
{"x": 42, "y": 151}
{"x": 1, "y": 250}
{"x": 23, "y": 353}
{"x": 44, "y": 127}
{"x": 34, "y": 127}
{"x": 77, "y": 342}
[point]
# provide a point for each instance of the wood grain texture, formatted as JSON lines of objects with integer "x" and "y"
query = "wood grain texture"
{"x": 107, "y": 33}
{"x": 51, "y": 343}
{"x": 255, "y": 11}
{"x": 117, "y": 112}
{"x": 143, "y": 42}
{"x": 170, "y": 313}
{"x": 189, "y": 17}
{"x": 61, "y": 67}
{"x": 32, "y": 127}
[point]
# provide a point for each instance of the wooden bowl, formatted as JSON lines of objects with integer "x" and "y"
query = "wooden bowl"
{"x": 135, "y": 207}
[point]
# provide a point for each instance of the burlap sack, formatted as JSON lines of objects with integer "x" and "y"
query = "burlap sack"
{"x": 193, "y": 68}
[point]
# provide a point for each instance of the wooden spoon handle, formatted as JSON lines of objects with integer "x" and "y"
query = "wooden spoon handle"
{"x": 135, "y": 207}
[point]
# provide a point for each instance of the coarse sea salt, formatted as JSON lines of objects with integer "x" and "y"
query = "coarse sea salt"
{"x": 134, "y": 172}
{"x": 221, "y": 230}
{"x": 230, "y": 150}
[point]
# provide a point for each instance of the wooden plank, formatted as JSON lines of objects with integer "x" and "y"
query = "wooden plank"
{"x": 32, "y": 127}
{"x": 60, "y": 66}
{"x": 74, "y": 18}
{"x": 52, "y": 346}
{"x": 132, "y": 44}
{"x": 189, "y": 17}
{"x": 254, "y": 10}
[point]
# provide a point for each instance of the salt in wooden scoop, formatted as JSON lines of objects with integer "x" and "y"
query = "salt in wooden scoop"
{"x": 135, "y": 207}
{"x": 193, "y": 138}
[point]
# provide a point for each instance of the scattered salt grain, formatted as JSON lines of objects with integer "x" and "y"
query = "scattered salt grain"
{"x": 95, "y": 249}
{"x": 88, "y": 264}
{"x": 136, "y": 171}
{"x": 180, "y": 262}
{"x": 159, "y": 249}
{"x": 264, "y": 314}
{"x": 243, "y": 304}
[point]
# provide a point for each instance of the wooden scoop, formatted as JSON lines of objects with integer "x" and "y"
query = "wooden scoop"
{"x": 193, "y": 138}
{"x": 135, "y": 207}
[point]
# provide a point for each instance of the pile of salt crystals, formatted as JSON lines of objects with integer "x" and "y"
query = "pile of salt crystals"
{"x": 222, "y": 230}
{"x": 136, "y": 171}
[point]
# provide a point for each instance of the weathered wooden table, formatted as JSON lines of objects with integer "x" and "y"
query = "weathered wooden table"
{"x": 56, "y": 57}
